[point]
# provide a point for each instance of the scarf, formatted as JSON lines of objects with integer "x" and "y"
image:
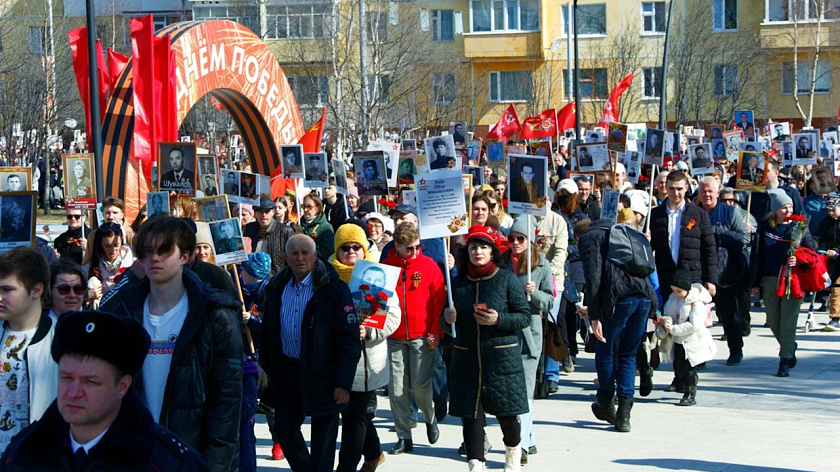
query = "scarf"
{"x": 480, "y": 272}
{"x": 514, "y": 261}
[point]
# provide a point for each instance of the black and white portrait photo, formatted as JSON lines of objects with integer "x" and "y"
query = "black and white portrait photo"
{"x": 207, "y": 164}
{"x": 527, "y": 184}
{"x": 231, "y": 185}
{"x": 227, "y": 241}
{"x": 823, "y": 179}
{"x": 369, "y": 167}
{"x": 716, "y": 132}
{"x": 340, "y": 177}
{"x": 718, "y": 149}
{"x": 593, "y": 157}
{"x": 478, "y": 174}
{"x": 315, "y": 170}
{"x": 157, "y": 204}
{"x": 209, "y": 185}
{"x": 408, "y": 145}
{"x": 17, "y": 219}
{"x": 804, "y": 149}
{"x": 78, "y": 182}
{"x": 780, "y": 131}
{"x": 407, "y": 168}
{"x": 15, "y": 179}
{"x": 458, "y": 130}
{"x": 176, "y": 168}
{"x": 291, "y": 156}
{"x": 750, "y": 146}
{"x": 440, "y": 150}
{"x": 701, "y": 161}
{"x": 654, "y": 145}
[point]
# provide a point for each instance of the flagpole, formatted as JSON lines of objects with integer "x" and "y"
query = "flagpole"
{"x": 576, "y": 81}
{"x": 664, "y": 86}
{"x": 95, "y": 120}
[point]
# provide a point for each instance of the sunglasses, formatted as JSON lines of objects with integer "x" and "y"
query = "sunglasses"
{"x": 112, "y": 227}
{"x": 516, "y": 239}
{"x": 412, "y": 248}
{"x": 74, "y": 217}
{"x": 351, "y": 247}
{"x": 64, "y": 289}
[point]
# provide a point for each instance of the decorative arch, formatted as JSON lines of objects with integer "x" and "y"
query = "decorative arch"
{"x": 226, "y": 60}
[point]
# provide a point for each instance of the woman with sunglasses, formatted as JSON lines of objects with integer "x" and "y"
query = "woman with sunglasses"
{"x": 487, "y": 375}
{"x": 358, "y": 434}
{"x": 109, "y": 259}
{"x": 71, "y": 244}
{"x": 497, "y": 210}
{"x": 68, "y": 286}
{"x": 314, "y": 224}
{"x": 540, "y": 288}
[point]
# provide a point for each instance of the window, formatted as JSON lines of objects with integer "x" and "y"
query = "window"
{"x": 591, "y": 19}
{"x": 505, "y": 15}
{"x": 652, "y": 82}
{"x": 511, "y": 86}
{"x": 381, "y": 93}
{"x": 593, "y": 84}
{"x": 653, "y": 17}
{"x": 443, "y": 89}
{"x": 443, "y": 25}
{"x": 803, "y": 77}
{"x": 725, "y": 80}
{"x": 245, "y": 15}
{"x": 297, "y": 21}
{"x": 310, "y": 91}
{"x": 37, "y": 38}
{"x": 725, "y": 15}
{"x": 804, "y": 10}
{"x": 377, "y": 26}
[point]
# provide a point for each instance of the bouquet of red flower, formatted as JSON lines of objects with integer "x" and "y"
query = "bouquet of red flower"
{"x": 373, "y": 307}
{"x": 798, "y": 226}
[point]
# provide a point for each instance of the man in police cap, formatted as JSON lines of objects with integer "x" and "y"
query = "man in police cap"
{"x": 97, "y": 421}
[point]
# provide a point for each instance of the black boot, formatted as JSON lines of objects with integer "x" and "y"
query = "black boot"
{"x": 688, "y": 398}
{"x": 402, "y": 445}
{"x": 784, "y": 368}
{"x": 622, "y": 415}
{"x": 604, "y": 409}
{"x": 645, "y": 381}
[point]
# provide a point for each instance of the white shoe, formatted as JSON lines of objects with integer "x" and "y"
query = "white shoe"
{"x": 476, "y": 466}
{"x": 513, "y": 459}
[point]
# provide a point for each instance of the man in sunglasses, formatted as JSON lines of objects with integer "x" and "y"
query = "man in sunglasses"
{"x": 71, "y": 243}
{"x": 26, "y": 334}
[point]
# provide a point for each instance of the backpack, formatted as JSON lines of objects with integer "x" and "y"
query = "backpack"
{"x": 630, "y": 250}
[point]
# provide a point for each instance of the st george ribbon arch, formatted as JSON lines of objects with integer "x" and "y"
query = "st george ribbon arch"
{"x": 232, "y": 64}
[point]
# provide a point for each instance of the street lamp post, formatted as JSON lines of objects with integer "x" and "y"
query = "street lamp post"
{"x": 95, "y": 120}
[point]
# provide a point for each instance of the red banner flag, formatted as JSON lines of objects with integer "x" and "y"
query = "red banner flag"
{"x": 311, "y": 139}
{"x": 611, "y": 108}
{"x": 566, "y": 117}
{"x": 507, "y": 126}
{"x": 543, "y": 125}
{"x": 116, "y": 64}
{"x": 79, "y": 49}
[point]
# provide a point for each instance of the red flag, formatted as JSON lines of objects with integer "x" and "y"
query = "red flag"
{"x": 543, "y": 125}
{"x": 611, "y": 108}
{"x": 508, "y": 125}
{"x": 79, "y": 49}
{"x": 566, "y": 117}
{"x": 311, "y": 140}
{"x": 116, "y": 64}
{"x": 165, "y": 105}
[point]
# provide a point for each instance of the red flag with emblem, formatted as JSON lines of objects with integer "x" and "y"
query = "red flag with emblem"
{"x": 611, "y": 108}
{"x": 543, "y": 125}
{"x": 507, "y": 126}
{"x": 566, "y": 117}
{"x": 311, "y": 139}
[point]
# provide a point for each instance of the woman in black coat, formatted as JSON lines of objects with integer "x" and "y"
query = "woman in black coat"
{"x": 487, "y": 371}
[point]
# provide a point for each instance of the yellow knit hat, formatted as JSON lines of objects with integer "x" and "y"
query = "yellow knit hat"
{"x": 351, "y": 233}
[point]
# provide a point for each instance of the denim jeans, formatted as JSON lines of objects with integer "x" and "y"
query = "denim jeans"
{"x": 626, "y": 326}
{"x": 247, "y": 439}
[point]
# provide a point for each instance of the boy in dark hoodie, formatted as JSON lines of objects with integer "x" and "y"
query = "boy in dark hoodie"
{"x": 827, "y": 238}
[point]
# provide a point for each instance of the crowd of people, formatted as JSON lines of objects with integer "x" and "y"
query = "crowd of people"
{"x": 133, "y": 335}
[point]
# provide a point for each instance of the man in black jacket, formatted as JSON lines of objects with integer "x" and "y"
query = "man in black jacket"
{"x": 334, "y": 207}
{"x": 97, "y": 421}
{"x": 267, "y": 235}
{"x": 310, "y": 348}
{"x": 588, "y": 203}
{"x": 192, "y": 379}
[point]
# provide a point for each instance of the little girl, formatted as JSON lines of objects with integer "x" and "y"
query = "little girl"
{"x": 685, "y": 319}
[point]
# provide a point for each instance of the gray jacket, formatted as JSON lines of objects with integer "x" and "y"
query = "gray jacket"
{"x": 541, "y": 302}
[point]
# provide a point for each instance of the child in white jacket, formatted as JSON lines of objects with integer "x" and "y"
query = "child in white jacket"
{"x": 685, "y": 319}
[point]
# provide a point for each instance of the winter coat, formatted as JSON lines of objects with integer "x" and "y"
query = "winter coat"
{"x": 323, "y": 233}
{"x": 329, "y": 350}
{"x": 422, "y": 294}
{"x": 813, "y": 206}
{"x": 592, "y": 208}
{"x": 372, "y": 371}
{"x": 541, "y": 302}
{"x": 769, "y": 250}
{"x": 486, "y": 361}
{"x": 697, "y": 244}
{"x": 203, "y": 393}
{"x": 274, "y": 241}
{"x": 133, "y": 443}
{"x": 760, "y": 204}
{"x": 41, "y": 369}
{"x": 606, "y": 283}
{"x": 335, "y": 212}
{"x": 689, "y": 327}
{"x": 827, "y": 237}
{"x": 71, "y": 250}
{"x": 575, "y": 266}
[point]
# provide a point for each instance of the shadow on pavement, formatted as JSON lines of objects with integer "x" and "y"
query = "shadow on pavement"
{"x": 703, "y": 466}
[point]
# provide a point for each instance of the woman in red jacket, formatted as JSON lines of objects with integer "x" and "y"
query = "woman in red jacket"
{"x": 411, "y": 348}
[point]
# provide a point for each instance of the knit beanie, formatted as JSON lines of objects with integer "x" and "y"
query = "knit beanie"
{"x": 202, "y": 233}
{"x": 350, "y": 233}
{"x": 682, "y": 278}
{"x": 520, "y": 225}
{"x": 778, "y": 199}
{"x": 258, "y": 264}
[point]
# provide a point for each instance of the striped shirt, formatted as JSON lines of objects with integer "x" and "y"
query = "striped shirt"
{"x": 294, "y": 300}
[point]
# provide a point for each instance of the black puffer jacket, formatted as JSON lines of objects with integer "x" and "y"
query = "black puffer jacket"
{"x": 697, "y": 244}
{"x": 204, "y": 389}
{"x": 133, "y": 443}
{"x": 606, "y": 283}
{"x": 329, "y": 349}
{"x": 487, "y": 360}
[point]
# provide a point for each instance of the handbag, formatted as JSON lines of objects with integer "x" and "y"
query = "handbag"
{"x": 554, "y": 346}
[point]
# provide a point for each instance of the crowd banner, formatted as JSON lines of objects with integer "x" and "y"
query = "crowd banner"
{"x": 441, "y": 210}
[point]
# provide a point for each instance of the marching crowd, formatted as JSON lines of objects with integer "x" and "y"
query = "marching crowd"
{"x": 127, "y": 348}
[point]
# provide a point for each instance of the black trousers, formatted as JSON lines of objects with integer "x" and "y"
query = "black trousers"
{"x": 726, "y": 303}
{"x": 683, "y": 368}
{"x": 288, "y": 418}
{"x": 474, "y": 433}
{"x": 744, "y": 302}
{"x": 358, "y": 434}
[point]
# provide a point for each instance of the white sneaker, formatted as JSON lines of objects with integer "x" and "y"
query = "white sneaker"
{"x": 476, "y": 466}
{"x": 513, "y": 459}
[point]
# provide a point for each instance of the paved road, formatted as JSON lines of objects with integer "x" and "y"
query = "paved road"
{"x": 746, "y": 420}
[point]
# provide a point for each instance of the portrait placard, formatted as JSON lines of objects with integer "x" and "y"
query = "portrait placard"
{"x": 209, "y": 184}
{"x": 17, "y": 219}
{"x": 527, "y": 183}
{"x": 469, "y": 191}
{"x": 733, "y": 144}
{"x": 369, "y": 167}
{"x": 291, "y": 160}
{"x": 263, "y": 186}
{"x": 787, "y": 153}
{"x": 716, "y": 131}
{"x": 212, "y": 208}
{"x": 16, "y": 179}
{"x": 496, "y": 154}
{"x": 207, "y": 164}
{"x": 617, "y": 137}
{"x": 750, "y": 146}
{"x": 176, "y": 168}
{"x": 408, "y": 145}
{"x": 474, "y": 150}
{"x": 744, "y": 122}
{"x": 372, "y": 289}
{"x": 231, "y": 185}
{"x": 157, "y": 204}
{"x": 79, "y": 187}
{"x": 248, "y": 188}
{"x": 594, "y": 136}
{"x": 593, "y": 157}
{"x": 392, "y": 157}
{"x": 824, "y": 182}
{"x": 636, "y": 131}
{"x": 633, "y": 164}
{"x": 315, "y": 170}
{"x": 227, "y": 241}
{"x": 440, "y": 150}
{"x": 477, "y": 173}
{"x": 700, "y": 160}
{"x": 655, "y": 146}
{"x": 340, "y": 177}
{"x": 609, "y": 203}
{"x": 441, "y": 210}
{"x": 719, "y": 149}
{"x": 780, "y": 131}
{"x": 826, "y": 149}
{"x": 407, "y": 168}
{"x": 752, "y": 171}
{"x": 540, "y": 148}
{"x": 804, "y": 151}
{"x": 409, "y": 197}
{"x": 458, "y": 131}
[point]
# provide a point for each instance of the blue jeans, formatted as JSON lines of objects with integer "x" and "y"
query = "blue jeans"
{"x": 247, "y": 439}
{"x": 626, "y": 326}
{"x": 552, "y": 369}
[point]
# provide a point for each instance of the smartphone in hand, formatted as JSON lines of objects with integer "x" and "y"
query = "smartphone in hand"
{"x": 480, "y": 307}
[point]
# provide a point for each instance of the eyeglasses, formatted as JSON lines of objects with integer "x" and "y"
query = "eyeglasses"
{"x": 516, "y": 239}
{"x": 310, "y": 207}
{"x": 727, "y": 200}
{"x": 412, "y": 248}
{"x": 375, "y": 225}
{"x": 74, "y": 217}
{"x": 351, "y": 247}
{"x": 111, "y": 227}
{"x": 64, "y": 289}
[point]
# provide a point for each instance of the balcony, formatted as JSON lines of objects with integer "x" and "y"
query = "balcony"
{"x": 502, "y": 45}
{"x": 779, "y": 34}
